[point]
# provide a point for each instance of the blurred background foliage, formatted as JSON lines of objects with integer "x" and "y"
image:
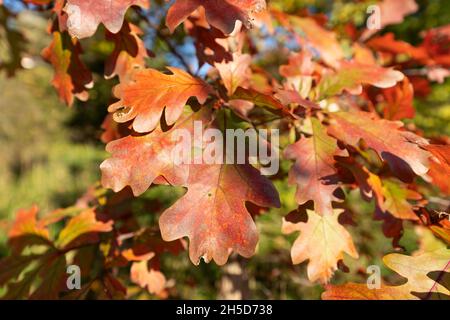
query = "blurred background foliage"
{"x": 50, "y": 153}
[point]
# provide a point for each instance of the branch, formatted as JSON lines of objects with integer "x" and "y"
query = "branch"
{"x": 166, "y": 40}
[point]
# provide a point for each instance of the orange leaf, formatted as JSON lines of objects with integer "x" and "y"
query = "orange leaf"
{"x": 82, "y": 228}
{"x": 322, "y": 241}
{"x": 152, "y": 92}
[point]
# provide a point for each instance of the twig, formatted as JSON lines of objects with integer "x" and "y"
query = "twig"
{"x": 166, "y": 40}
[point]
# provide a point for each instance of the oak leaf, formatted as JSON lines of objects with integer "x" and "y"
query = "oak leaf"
{"x": 83, "y": 228}
{"x": 352, "y": 75}
{"x": 27, "y": 230}
{"x": 129, "y": 53}
{"x": 86, "y": 15}
{"x": 323, "y": 241}
{"x": 151, "y": 92}
{"x": 440, "y": 166}
{"x": 396, "y": 197}
{"x": 152, "y": 279}
{"x": 314, "y": 168}
{"x": 72, "y": 77}
{"x": 222, "y": 14}
{"x": 415, "y": 268}
{"x": 392, "y": 12}
{"x": 138, "y": 160}
{"x": 399, "y": 101}
{"x": 213, "y": 215}
{"x": 236, "y": 72}
{"x": 401, "y": 149}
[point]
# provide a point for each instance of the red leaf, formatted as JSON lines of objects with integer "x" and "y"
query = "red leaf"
{"x": 222, "y": 14}
{"x": 212, "y": 214}
{"x": 387, "y": 43}
{"x": 401, "y": 149}
{"x": 138, "y": 160}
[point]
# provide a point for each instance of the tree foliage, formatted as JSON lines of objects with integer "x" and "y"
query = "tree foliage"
{"x": 340, "y": 94}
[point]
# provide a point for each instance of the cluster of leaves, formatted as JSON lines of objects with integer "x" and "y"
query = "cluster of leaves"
{"x": 338, "y": 111}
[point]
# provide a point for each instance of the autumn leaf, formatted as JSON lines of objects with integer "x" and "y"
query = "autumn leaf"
{"x": 138, "y": 160}
{"x": 415, "y": 268}
{"x": 236, "y": 72}
{"x": 222, "y": 14}
{"x": 401, "y": 149}
{"x": 53, "y": 275}
{"x": 323, "y": 241}
{"x": 398, "y": 103}
{"x": 152, "y": 92}
{"x": 299, "y": 64}
{"x": 396, "y": 197}
{"x": 26, "y": 230}
{"x": 391, "y": 199}
{"x": 86, "y": 15}
{"x": 314, "y": 171}
{"x": 152, "y": 279}
{"x": 212, "y": 214}
{"x": 388, "y": 43}
{"x": 11, "y": 267}
{"x": 72, "y": 78}
{"x": 129, "y": 53}
{"x": 263, "y": 100}
{"x": 43, "y": 276}
{"x": 82, "y": 228}
{"x": 323, "y": 40}
{"x": 208, "y": 49}
{"x": 442, "y": 231}
{"x": 352, "y": 75}
{"x": 440, "y": 166}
